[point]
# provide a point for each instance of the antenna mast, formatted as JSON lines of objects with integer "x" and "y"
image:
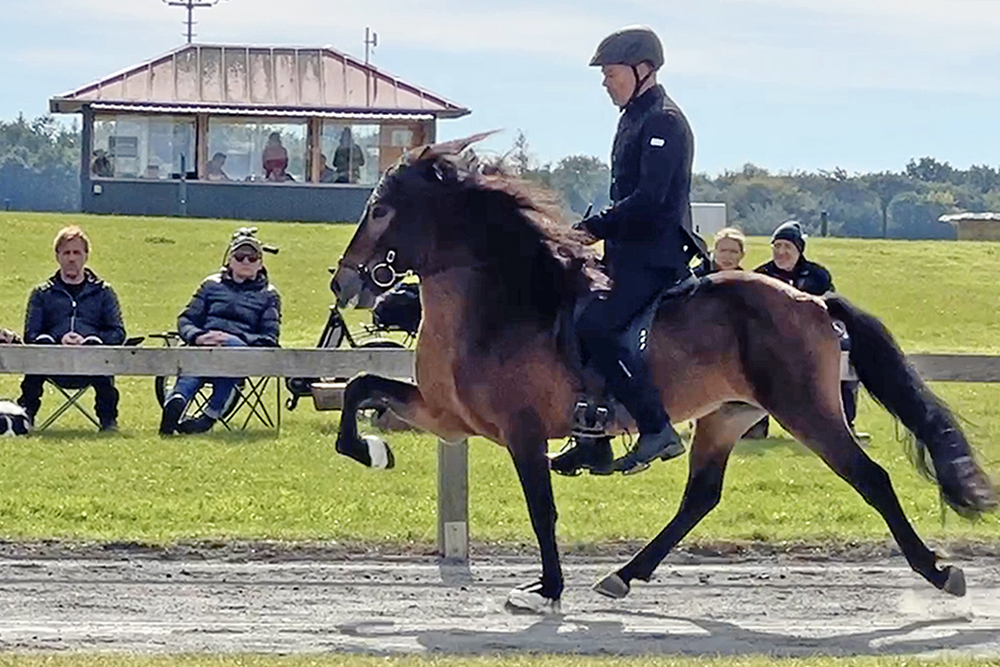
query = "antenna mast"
{"x": 190, "y": 5}
{"x": 371, "y": 41}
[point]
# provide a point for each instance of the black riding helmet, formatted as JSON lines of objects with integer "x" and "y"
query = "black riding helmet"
{"x": 631, "y": 46}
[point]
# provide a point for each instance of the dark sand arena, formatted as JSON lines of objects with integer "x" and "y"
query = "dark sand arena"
{"x": 132, "y": 600}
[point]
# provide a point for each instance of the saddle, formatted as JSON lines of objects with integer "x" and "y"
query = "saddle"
{"x": 594, "y": 408}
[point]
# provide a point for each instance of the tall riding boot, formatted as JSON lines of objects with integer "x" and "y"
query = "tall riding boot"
{"x": 633, "y": 386}
{"x": 584, "y": 453}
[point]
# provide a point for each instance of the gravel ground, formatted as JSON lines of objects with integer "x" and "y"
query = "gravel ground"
{"x": 239, "y": 599}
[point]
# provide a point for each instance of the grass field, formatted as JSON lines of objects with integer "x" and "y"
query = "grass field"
{"x": 71, "y": 483}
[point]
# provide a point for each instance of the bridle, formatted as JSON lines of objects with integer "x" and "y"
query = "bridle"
{"x": 382, "y": 274}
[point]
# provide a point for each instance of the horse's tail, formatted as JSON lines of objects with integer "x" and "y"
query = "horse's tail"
{"x": 939, "y": 448}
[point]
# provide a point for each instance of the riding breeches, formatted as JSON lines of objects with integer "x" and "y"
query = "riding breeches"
{"x": 600, "y": 327}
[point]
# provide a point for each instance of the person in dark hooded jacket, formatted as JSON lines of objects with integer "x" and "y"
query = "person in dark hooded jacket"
{"x": 236, "y": 307}
{"x": 789, "y": 265}
{"x": 74, "y": 307}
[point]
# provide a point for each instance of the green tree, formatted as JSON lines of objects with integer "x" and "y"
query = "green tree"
{"x": 39, "y": 165}
{"x": 886, "y": 186}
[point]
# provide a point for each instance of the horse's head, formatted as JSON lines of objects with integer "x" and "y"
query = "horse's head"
{"x": 394, "y": 230}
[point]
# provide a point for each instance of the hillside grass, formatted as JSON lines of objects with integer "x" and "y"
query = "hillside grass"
{"x": 71, "y": 483}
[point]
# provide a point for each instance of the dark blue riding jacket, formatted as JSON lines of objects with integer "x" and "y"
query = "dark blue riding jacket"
{"x": 650, "y": 187}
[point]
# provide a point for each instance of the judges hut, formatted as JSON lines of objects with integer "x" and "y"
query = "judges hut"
{"x": 246, "y": 132}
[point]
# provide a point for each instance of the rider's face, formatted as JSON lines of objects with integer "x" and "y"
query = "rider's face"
{"x": 619, "y": 81}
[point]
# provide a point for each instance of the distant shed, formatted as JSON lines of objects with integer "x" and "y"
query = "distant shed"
{"x": 974, "y": 226}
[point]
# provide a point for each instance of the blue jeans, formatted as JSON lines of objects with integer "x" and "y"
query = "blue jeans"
{"x": 188, "y": 386}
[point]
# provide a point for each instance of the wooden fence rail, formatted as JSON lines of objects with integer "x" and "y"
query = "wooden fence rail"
{"x": 453, "y": 462}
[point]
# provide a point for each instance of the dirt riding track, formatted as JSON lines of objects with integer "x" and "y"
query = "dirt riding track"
{"x": 157, "y": 603}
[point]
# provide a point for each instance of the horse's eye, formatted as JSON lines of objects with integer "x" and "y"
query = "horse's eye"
{"x": 379, "y": 212}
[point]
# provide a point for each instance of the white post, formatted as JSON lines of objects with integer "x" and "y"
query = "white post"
{"x": 453, "y": 500}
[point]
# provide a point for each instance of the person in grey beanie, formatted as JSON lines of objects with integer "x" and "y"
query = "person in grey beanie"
{"x": 789, "y": 265}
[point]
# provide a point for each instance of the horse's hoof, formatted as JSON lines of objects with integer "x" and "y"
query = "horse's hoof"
{"x": 955, "y": 585}
{"x": 612, "y": 586}
{"x": 370, "y": 450}
{"x": 529, "y": 600}
{"x": 379, "y": 452}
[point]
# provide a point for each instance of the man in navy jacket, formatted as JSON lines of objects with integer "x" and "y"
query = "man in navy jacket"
{"x": 74, "y": 307}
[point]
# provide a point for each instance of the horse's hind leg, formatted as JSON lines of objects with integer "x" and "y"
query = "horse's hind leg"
{"x": 403, "y": 398}
{"x": 825, "y": 432}
{"x": 714, "y": 438}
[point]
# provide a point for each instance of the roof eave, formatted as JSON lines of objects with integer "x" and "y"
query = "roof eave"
{"x": 72, "y": 105}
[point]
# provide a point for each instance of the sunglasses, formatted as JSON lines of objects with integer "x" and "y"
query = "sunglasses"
{"x": 245, "y": 257}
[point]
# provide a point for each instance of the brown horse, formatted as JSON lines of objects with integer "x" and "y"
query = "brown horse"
{"x": 497, "y": 265}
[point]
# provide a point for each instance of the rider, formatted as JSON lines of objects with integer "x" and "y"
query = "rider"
{"x": 647, "y": 245}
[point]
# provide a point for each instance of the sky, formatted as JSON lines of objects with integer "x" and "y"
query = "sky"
{"x": 789, "y": 85}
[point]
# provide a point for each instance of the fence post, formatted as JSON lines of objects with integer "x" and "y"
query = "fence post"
{"x": 453, "y": 500}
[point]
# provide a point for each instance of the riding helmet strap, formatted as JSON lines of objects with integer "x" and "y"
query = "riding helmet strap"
{"x": 639, "y": 82}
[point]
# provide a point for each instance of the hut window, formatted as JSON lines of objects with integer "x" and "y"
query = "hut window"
{"x": 256, "y": 150}
{"x": 143, "y": 146}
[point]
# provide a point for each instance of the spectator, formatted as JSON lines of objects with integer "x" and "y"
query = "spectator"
{"x": 102, "y": 164}
{"x": 275, "y": 159}
{"x": 727, "y": 253}
{"x": 74, "y": 307}
{"x": 236, "y": 307}
{"x": 213, "y": 170}
{"x": 348, "y": 159}
{"x": 326, "y": 174}
{"x": 789, "y": 265}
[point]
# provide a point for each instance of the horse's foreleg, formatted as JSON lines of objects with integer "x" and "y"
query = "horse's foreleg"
{"x": 714, "y": 437}
{"x": 527, "y": 446}
{"x": 403, "y": 398}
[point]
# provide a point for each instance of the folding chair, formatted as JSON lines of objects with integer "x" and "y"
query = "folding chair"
{"x": 72, "y": 396}
{"x": 247, "y": 403}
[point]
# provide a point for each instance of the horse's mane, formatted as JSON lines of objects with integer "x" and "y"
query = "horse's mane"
{"x": 518, "y": 228}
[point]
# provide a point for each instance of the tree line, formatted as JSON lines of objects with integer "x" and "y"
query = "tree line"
{"x": 39, "y": 170}
{"x": 39, "y": 165}
{"x": 888, "y": 204}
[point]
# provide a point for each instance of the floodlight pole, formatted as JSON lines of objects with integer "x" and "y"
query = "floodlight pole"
{"x": 190, "y": 5}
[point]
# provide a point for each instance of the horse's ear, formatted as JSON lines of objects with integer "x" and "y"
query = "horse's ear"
{"x": 454, "y": 147}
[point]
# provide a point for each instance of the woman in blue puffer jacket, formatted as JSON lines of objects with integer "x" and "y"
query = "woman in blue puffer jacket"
{"x": 236, "y": 307}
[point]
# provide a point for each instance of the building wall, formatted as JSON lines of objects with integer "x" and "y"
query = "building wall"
{"x": 978, "y": 230}
{"x": 237, "y": 201}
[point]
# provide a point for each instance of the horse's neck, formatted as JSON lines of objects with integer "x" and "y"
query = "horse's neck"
{"x": 454, "y": 305}
{"x": 443, "y": 299}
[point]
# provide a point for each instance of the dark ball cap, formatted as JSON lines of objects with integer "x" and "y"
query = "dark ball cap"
{"x": 630, "y": 46}
{"x": 790, "y": 231}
